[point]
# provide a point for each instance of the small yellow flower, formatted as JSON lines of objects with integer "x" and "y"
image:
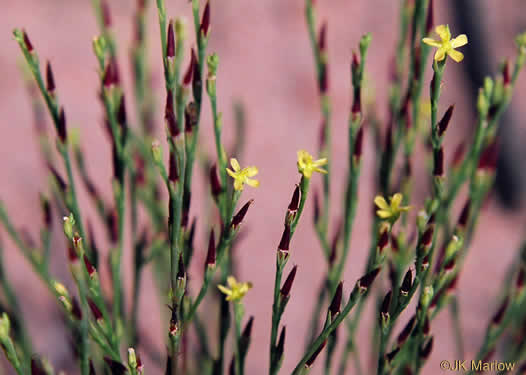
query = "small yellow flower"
{"x": 236, "y": 290}
{"x": 393, "y": 210}
{"x": 446, "y": 45}
{"x": 307, "y": 166}
{"x": 242, "y": 176}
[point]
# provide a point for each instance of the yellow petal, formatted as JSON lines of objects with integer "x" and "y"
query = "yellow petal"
{"x": 307, "y": 173}
{"x": 443, "y": 32}
{"x": 253, "y": 183}
{"x": 459, "y": 41}
{"x": 383, "y": 214}
{"x": 404, "y": 208}
{"x": 381, "y": 202}
{"x": 396, "y": 200}
{"x": 232, "y": 282}
{"x": 231, "y": 173}
{"x": 319, "y": 170}
{"x": 456, "y": 55}
{"x": 431, "y": 42}
{"x": 251, "y": 171}
{"x": 224, "y": 290}
{"x": 320, "y": 162}
{"x": 235, "y": 165}
{"x": 440, "y": 54}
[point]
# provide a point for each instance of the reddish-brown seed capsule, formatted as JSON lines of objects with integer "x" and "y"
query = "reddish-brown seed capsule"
{"x": 50, "y": 80}
{"x": 170, "y": 42}
{"x": 427, "y": 237}
{"x": 438, "y": 166}
{"x": 46, "y": 212}
{"x": 429, "y": 18}
{"x": 488, "y": 159}
{"x": 281, "y": 343}
{"x": 61, "y": 126}
{"x": 247, "y": 331}
{"x": 173, "y": 173}
{"x": 367, "y": 280}
{"x": 405, "y": 288}
{"x": 284, "y": 243}
{"x": 336, "y": 302}
{"x": 444, "y": 122}
{"x": 116, "y": 368}
{"x": 27, "y": 42}
{"x": 211, "y": 254}
{"x": 314, "y": 355}
{"x": 181, "y": 272}
{"x": 427, "y": 349}
{"x": 287, "y": 285}
{"x": 464, "y": 214}
{"x": 383, "y": 241}
{"x": 499, "y": 315}
{"x": 358, "y": 144}
{"x": 322, "y": 38}
{"x": 238, "y": 218}
{"x": 190, "y": 70}
{"x": 205, "y": 20}
{"x": 89, "y": 266}
{"x": 427, "y": 327}
{"x": 402, "y": 337}
{"x": 97, "y": 314}
{"x": 215, "y": 184}
{"x": 169, "y": 115}
{"x": 72, "y": 255}
{"x": 294, "y": 202}
{"x": 386, "y": 304}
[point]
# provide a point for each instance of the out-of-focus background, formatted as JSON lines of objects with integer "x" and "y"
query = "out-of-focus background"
{"x": 266, "y": 64}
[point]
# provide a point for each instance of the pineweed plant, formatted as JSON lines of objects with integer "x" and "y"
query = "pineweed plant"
{"x": 412, "y": 265}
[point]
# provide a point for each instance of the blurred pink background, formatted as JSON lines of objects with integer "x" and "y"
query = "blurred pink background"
{"x": 266, "y": 63}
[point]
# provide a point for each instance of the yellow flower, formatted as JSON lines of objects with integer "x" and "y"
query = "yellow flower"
{"x": 236, "y": 290}
{"x": 446, "y": 45}
{"x": 242, "y": 176}
{"x": 393, "y": 210}
{"x": 307, "y": 166}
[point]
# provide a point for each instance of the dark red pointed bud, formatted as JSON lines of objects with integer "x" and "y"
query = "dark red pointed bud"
{"x": 97, "y": 314}
{"x": 27, "y": 42}
{"x": 284, "y": 243}
{"x": 72, "y": 255}
{"x": 519, "y": 284}
{"x": 488, "y": 159}
{"x": 314, "y": 355}
{"x": 106, "y": 15}
{"x": 181, "y": 272}
{"x": 205, "y": 20}
{"x": 425, "y": 262}
{"x": 116, "y": 368}
{"x": 358, "y": 144}
{"x": 280, "y": 348}
{"x": 37, "y": 368}
{"x": 323, "y": 84}
{"x": 173, "y": 174}
{"x": 50, "y": 80}
{"x": 174, "y": 322}
{"x": 452, "y": 284}
{"x": 295, "y": 201}
{"x": 406, "y": 331}
{"x": 499, "y": 315}
{"x": 211, "y": 254}
{"x": 392, "y": 354}
{"x": 426, "y": 329}
{"x": 287, "y": 285}
{"x": 394, "y": 243}
{"x": 170, "y": 42}
{"x": 316, "y": 207}
{"x": 111, "y": 75}
{"x": 386, "y": 304}
{"x": 458, "y": 155}
{"x": 46, "y": 212}
{"x": 121, "y": 113}
{"x": 438, "y": 167}
{"x": 322, "y": 38}
{"x": 190, "y": 117}
{"x": 464, "y": 214}
{"x": 506, "y": 78}
{"x": 76, "y": 311}
{"x": 367, "y": 280}
{"x": 215, "y": 184}
{"x": 89, "y": 267}
{"x": 61, "y": 126}
{"x": 427, "y": 349}
{"x": 444, "y": 122}
{"x": 430, "y": 18}
{"x": 450, "y": 265}
{"x": 169, "y": 115}
{"x": 190, "y": 70}
{"x": 357, "y": 102}
{"x": 407, "y": 283}
{"x": 427, "y": 237}
{"x": 355, "y": 63}
{"x": 383, "y": 240}
{"x": 140, "y": 366}
{"x": 238, "y": 218}
{"x": 58, "y": 179}
{"x": 336, "y": 302}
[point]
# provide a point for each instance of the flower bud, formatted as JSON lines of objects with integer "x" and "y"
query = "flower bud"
{"x": 367, "y": 280}
{"x": 97, "y": 314}
{"x": 27, "y": 42}
{"x": 170, "y": 41}
{"x": 284, "y": 243}
{"x": 50, "y": 80}
{"x": 425, "y": 351}
{"x": 61, "y": 126}
{"x": 402, "y": 337}
{"x": 116, "y": 368}
{"x": 385, "y": 316}
{"x": 444, "y": 122}
{"x": 190, "y": 70}
{"x": 336, "y": 302}
{"x": 407, "y": 283}
{"x": 211, "y": 254}
{"x": 238, "y": 218}
{"x": 314, "y": 355}
{"x": 205, "y": 21}
{"x": 215, "y": 184}
{"x": 287, "y": 285}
